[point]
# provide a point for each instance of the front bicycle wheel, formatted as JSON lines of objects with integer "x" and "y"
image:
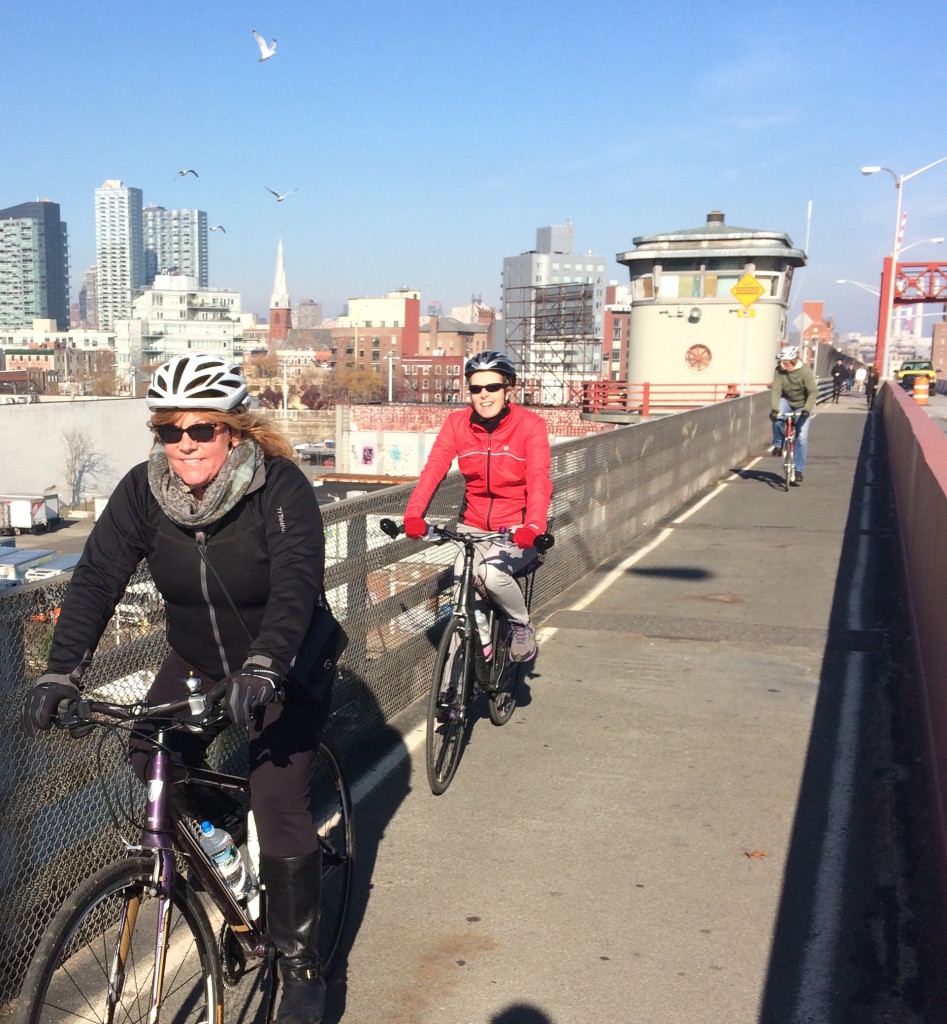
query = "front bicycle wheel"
{"x": 447, "y": 708}
{"x": 96, "y": 961}
{"x": 505, "y": 676}
{"x": 789, "y": 469}
{"x": 331, "y": 805}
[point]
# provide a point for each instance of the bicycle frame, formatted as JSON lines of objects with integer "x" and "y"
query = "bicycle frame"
{"x": 161, "y": 824}
{"x": 135, "y": 941}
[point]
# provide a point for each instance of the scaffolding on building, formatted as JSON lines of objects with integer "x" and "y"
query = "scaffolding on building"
{"x": 551, "y": 336}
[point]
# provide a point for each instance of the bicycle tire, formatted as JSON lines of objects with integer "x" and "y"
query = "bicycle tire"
{"x": 505, "y": 675}
{"x": 68, "y": 977}
{"x": 789, "y": 470}
{"x": 331, "y": 804}
{"x": 447, "y": 709}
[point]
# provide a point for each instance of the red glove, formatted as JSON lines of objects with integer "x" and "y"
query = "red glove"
{"x": 415, "y": 527}
{"x": 524, "y": 536}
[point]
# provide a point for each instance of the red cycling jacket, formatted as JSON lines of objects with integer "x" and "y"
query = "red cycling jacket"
{"x": 507, "y": 472}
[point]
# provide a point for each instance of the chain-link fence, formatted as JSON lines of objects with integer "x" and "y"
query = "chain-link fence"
{"x": 393, "y": 597}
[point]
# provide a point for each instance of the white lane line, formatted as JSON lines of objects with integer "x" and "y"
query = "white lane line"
{"x": 620, "y": 570}
{"x": 375, "y": 775}
{"x": 820, "y": 953}
{"x": 700, "y": 504}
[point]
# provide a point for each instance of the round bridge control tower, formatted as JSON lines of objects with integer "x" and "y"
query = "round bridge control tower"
{"x": 694, "y": 319}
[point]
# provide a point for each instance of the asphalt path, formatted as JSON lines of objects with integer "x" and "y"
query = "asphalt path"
{"x": 705, "y": 807}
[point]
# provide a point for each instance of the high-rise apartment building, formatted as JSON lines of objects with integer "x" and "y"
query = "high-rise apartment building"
{"x": 175, "y": 242}
{"x": 89, "y": 300}
{"x": 119, "y": 248}
{"x": 174, "y": 316}
{"x": 309, "y": 314}
{"x": 553, "y": 316}
{"x": 34, "y": 266}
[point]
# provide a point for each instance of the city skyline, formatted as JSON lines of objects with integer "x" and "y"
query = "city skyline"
{"x": 419, "y": 148}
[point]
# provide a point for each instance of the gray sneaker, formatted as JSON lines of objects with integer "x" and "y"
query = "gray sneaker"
{"x": 522, "y": 642}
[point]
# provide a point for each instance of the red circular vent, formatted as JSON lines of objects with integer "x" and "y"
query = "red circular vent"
{"x": 698, "y": 357}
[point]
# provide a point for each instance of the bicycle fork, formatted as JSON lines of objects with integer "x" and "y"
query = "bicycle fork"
{"x": 154, "y": 838}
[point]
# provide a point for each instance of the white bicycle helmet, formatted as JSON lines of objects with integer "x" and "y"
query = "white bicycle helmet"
{"x": 788, "y": 352}
{"x": 198, "y": 380}
{"x": 491, "y": 360}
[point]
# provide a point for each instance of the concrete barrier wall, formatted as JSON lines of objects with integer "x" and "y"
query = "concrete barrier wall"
{"x": 917, "y": 455}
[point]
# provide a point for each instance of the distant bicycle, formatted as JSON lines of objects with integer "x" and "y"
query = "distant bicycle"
{"x": 133, "y": 944}
{"x": 460, "y": 668}
{"x": 789, "y": 447}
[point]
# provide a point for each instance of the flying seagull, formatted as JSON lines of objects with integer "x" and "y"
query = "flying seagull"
{"x": 219, "y": 227}
{"x": 265, "y": 51}
{"x": 279, "y": 198}
{"x": 182, "y": 174}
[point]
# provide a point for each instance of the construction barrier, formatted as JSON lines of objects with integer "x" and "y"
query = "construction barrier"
{"x": 922, "y": 390}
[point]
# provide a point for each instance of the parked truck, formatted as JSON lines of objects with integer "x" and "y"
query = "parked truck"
{"x": 16, "y": 562}
{"x": 28, "y": 513}
{"x": 48, "y": 570}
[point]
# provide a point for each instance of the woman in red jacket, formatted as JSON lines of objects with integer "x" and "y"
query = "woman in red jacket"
{"x": 503, "y": 452}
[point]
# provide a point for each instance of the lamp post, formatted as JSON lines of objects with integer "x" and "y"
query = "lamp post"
{"x": 859, "y": 284}
{"x": 922, "y": 241}
{"x": 391, "y": 357}
{"x": 888, "y": 325}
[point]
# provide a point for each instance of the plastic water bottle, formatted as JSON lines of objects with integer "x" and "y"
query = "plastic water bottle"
{"x": 253, "y": 868}
{"x": 219, "y": 846}
{"x": 483, "y": 628}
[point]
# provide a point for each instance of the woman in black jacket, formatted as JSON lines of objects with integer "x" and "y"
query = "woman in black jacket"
{"x": 233, "y": 536}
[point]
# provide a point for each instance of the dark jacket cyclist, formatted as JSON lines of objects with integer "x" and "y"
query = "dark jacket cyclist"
{"x": 221, "y": 514}
{"x": 503, "y": 452}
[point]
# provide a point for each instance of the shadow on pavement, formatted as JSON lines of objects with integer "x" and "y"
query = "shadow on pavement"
{"x": 853, "y": 816}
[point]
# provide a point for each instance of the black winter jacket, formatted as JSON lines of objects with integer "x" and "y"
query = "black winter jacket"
{"x": 269, "y": 552}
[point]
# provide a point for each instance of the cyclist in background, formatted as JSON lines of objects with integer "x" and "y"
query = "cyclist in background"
{"x": 502, "y": 450}
{"x": 794, "y": 390}
{"x": 839, "y": 377}
{"x": 233, "y": 536}
{"x": 871, "y": 384}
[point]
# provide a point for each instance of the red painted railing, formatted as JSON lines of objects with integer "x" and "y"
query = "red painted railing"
{"x": 617, "y": 396}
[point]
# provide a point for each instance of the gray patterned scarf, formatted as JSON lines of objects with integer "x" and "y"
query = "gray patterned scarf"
{"x": 221, "y": 494}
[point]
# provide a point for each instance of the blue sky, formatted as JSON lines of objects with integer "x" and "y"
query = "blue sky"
{"x": 428, "y": 140}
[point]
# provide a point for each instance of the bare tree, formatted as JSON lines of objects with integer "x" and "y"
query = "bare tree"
{"x": 80, "y": 459}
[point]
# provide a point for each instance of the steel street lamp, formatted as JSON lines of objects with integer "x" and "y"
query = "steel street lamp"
{"x": 898, "y": 183}
{"x": 860, "y": 284}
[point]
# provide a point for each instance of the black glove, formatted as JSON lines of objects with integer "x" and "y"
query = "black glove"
{"x": 248, "y": 690}
{"x": 41, "y": 703}
{"x": 773, "y": 414}
{"x": 800, "y": 419}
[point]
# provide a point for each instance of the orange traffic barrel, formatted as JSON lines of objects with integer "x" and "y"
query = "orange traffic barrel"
{"x": 922, "y": 390}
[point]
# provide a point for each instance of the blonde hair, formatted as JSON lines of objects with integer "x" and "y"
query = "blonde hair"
{"x": 250, "y": 424}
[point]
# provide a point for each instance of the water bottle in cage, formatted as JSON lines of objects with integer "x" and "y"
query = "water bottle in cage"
{"x": 483, "y": 628}
{"x": 253, "y": 867}
{"x": 220, "y": 848}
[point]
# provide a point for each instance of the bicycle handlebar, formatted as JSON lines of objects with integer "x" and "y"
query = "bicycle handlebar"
{"x": 438, "y": 534}
{"x": 78, "y": 712}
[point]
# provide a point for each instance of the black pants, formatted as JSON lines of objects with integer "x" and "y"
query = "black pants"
{"x": 284, "y": 740}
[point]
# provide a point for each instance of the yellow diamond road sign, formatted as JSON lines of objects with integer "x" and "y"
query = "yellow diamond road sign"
{"x": 747, "y": 290}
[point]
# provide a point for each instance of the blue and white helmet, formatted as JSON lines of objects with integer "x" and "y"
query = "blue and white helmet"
{"x": 788, "y": 352}
{"x": 198, "y": 380}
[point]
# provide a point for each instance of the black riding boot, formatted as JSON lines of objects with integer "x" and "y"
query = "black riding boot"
{"x": 293, "y": 886}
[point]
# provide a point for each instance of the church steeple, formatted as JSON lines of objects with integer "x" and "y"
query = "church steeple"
{"x": 280, "y": 314}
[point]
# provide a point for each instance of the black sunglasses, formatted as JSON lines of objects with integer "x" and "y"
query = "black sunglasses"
{"x": 475, "y": 389}
{"x": 168, "y": 433}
